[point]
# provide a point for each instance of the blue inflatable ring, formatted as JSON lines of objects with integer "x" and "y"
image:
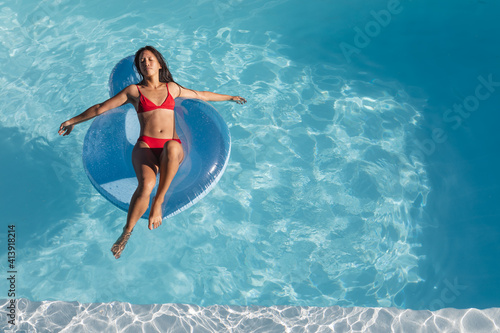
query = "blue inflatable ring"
{"x": 107, "y": 149}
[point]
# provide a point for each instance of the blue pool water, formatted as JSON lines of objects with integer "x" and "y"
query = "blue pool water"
{"x": 353, "y": 179}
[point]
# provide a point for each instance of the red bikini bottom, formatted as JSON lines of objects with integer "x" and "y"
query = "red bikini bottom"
{"x": 155, "y": 144}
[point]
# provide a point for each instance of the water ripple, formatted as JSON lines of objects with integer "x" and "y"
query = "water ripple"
{"x": 319, "y": 204}
{"x": 59, "y": 316}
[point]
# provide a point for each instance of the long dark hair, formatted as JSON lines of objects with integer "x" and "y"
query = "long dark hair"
{"x": 165, "y": 75}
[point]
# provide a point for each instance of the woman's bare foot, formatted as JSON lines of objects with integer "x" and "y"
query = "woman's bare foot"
{"x": 155, "y": 215}
{"x": 120, "y": 243}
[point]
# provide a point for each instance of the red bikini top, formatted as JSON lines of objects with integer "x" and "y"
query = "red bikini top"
{"x": 145, "y": 105}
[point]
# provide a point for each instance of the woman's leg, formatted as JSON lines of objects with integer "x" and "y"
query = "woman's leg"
{"x": 170, "y": 159}
{"x": 146, "y": 167}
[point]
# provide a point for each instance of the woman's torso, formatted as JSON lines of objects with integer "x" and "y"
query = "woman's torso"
{"x": 155, "y": 110}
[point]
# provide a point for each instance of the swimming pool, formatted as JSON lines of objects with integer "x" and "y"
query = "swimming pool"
{"x": 350, "y": 182}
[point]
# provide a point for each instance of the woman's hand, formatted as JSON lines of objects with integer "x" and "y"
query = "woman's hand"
{"x": 65, "y": 128}
{"x": 238, "y": 99}
{"x": 118, "y": 100}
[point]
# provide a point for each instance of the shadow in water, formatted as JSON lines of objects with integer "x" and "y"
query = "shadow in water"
{"x": 460, "y": 246}
{"x": 37, "y": 189}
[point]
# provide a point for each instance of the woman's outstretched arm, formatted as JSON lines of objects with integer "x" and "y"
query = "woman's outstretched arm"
{"x": 208, "y": 96}
{"x": 119, "y": 99}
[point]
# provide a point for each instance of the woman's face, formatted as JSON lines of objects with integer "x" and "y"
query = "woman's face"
{"x": 149, "y": 65}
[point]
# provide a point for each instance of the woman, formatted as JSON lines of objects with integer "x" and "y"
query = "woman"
{"x": 158, "y": 148}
